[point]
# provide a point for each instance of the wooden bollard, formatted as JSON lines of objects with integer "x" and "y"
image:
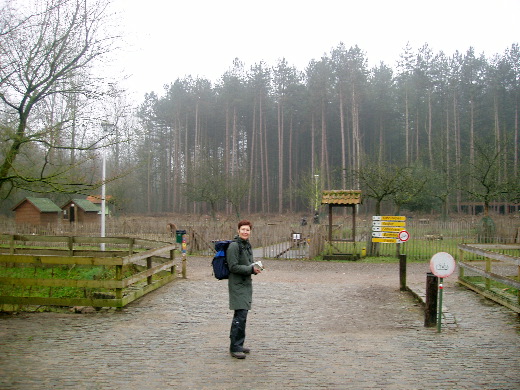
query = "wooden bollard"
{"x": 402, "y": 272}
{"x": 430, "y": 309}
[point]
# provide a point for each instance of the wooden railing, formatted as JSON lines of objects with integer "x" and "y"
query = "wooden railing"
{"x": 131, "y": 268}
{"x": 498, "y": 286}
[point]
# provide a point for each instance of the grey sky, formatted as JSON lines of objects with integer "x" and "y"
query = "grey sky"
{"x": 164, "y": 40}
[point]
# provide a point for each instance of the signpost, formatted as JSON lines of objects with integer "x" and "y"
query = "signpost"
{"x": 389, "y": 229}
{"x": 442, "y": 265}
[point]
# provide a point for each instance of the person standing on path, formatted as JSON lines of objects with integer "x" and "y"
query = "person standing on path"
{"x": 240, "y": 262}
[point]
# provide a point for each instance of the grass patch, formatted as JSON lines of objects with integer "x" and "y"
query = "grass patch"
{"x": 495, "y": 286}
{"x": 58, "y": 272}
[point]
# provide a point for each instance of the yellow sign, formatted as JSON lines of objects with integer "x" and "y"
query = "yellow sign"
{"x": 389, "y": 218}
{"x": 395, "y": 229}
{"x": 385, "y": 234}
{"x": 387, "y": 223}
{"x": 385, "y": 240}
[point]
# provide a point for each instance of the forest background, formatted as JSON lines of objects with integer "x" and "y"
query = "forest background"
{"x": 437, "y": 131}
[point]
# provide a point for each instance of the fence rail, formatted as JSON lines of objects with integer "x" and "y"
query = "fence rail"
{"x": 41, "y": 270}
{"x": 501, "y": 286}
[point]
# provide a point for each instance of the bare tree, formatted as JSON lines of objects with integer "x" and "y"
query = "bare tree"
{"x": 207, "y": 184}
{"x": 485, "y": 183}
{"x": 47, "y": 51}
{"x": 380, "y": 182}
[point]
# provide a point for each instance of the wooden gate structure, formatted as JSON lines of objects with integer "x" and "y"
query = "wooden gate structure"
{"x": 340, "y": 198}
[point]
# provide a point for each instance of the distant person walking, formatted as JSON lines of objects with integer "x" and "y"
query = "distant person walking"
{"x": 240, "y": 261}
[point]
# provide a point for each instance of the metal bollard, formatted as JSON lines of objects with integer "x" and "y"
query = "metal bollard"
{"x": 430, "y": 309}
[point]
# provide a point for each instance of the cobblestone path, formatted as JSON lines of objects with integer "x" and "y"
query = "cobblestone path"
{"x": 313, "y": 326}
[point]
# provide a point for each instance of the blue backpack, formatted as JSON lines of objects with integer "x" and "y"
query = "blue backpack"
{"x": 219, "y": 262}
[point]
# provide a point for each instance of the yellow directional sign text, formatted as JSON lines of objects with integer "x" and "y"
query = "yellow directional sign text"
{"x": 385, "y": 240}
{"x": 384, "y": 234}
{"x": 396, "y": 229}
{"x": 387, "y": 223}
{"x": 389, "y": 218}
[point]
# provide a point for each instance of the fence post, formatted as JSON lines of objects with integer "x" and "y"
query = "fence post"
{"x": 11, "y": 245}
{"x": 131, "y": 246}
{"x": 70, "y": 244}
{"x": 402, "y": 272}
{"x": 488, "y": 270}
{"x": 119, "y": 278}
{"x": 148, "y": 266}
{"x": 430, "y": 309}
{"x": 461, "y": 261}
{"x": 172, "y": 259}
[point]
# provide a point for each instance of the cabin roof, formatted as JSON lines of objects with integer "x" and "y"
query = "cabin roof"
{"x": 84, "y": 204}
{"x": 44, "y": 205}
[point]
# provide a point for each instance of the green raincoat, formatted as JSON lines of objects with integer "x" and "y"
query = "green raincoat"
{"x": 240, "y": 259}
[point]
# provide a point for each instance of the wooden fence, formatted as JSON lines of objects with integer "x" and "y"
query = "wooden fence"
{"x": 32, "y": 270}
{"x": 500, "y": 284}
{"x": 427, "y": 235}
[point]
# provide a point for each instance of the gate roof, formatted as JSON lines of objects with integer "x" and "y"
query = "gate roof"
{"x": 341, "y": 197}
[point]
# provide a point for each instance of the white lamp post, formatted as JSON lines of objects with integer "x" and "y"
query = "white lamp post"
{"x": 106, "y": 128}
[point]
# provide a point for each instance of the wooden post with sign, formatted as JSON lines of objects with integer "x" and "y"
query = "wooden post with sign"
{"x": 390, "y": 230}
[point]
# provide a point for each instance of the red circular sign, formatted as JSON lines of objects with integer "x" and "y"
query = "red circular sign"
{"x": 404, "y": 235}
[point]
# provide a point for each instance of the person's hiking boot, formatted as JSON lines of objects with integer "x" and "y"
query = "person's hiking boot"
{"x": 246, "y": 350}
{"x": 238, "y": 355}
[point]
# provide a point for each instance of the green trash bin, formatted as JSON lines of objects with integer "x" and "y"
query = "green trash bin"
{"x": 178, "y": 236}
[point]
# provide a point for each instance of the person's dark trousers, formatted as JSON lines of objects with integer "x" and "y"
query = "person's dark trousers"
{"x": 238, "y": 330}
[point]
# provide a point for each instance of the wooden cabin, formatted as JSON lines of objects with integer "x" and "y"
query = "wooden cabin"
{"x": 81, "y": 211}
{"x": 37, "y": 211}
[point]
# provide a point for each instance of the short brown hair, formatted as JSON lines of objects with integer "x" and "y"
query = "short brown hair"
{"x": 245, "y": 222}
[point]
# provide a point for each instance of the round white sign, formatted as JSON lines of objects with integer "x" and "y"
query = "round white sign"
{"x": 442, "y": 264}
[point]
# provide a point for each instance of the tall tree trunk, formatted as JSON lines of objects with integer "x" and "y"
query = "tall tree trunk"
{"x": 263, "y": 159}
{"x": 343, "y": 143}
{"x": 280, "y": 155}
{"x": 266, "y": 159}
{"x": 313, "y": 146}
{"x": 356, "y": 137}
{"x": 227, "y": 164}
{"x": 149, "y": 194}
{"x": 290, "y": 171}
{"x": 252, "y": 160}
{"x": 417, "y": 131}
{"x": 323, "y": 142}
{"x": 430, "y": 145}
{"x": 447, "y": 150}
{"x": 406, "y": 128}
{"x": 196, "y": 136}
{"x": 457, "y": 143}
{"x": 177, "y": 178}
{"x": 517, "y": 140}
{"x": 381, "y": 141}
{"x": 234, "y": 143}
{"x": 498, "y": 142}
